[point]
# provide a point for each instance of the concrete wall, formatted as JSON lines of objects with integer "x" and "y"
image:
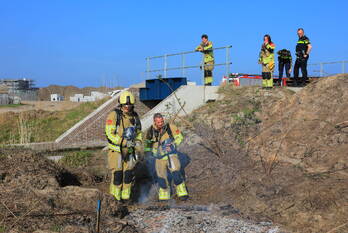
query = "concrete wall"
{"x": 4, "y": 99}
{"x": 7, "y": 99}
{"x": 190, "y": 97}
{"x": 26, "y": 95}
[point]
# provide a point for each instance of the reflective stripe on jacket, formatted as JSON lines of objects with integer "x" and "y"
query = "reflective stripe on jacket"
{"x": 207, "y": 51}
{"x": 114, "y": 133}
{"x": 153, "y": 140}
{"x": 267, "y": 53}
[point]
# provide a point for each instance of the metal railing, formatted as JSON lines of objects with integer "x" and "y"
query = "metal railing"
{"x": 321, "y": 65}
{"x": 183, "y": 66}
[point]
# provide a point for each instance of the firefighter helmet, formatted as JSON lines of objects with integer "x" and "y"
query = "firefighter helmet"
{"x": 126, "y": 98}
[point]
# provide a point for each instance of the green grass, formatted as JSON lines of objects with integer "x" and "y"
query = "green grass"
{"x": 2, "y": 229}
{"x": 56, "y": 228}
{"x": 11, "y": 105}
{"x": 76, "y": 159}
{"x": 2, "y": 155}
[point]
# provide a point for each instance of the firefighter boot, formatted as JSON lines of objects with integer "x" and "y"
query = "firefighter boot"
{"x": 264, "y": 83}
{"x": 126, "y": 192}
{"x": 115, "y": 191}
{"x": 270, "y": 83}
{"x": 163, "y": 194}
{"x": 181, "y": 191}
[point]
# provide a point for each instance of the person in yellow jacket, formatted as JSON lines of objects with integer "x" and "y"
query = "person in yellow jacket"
{"x": 161, "y": 140}
{"x": 206, "y": 47}
{"x": 266, "y": 59}
{"x": 123, "y": 132}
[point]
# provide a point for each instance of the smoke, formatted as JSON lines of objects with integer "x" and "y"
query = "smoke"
{"x": 148, "y": 191}
{"x": 147, "y": 181}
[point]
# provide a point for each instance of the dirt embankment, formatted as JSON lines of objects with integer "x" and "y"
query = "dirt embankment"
{"x": 265, "y": 155}
{"x": 307, "y": 137}
{"x": 38, "y": 195}
{"x": 275, "y": 155}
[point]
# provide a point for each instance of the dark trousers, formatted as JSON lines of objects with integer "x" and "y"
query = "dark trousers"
{"x": 300, "y": 63}
{"x": 281, "y": 67}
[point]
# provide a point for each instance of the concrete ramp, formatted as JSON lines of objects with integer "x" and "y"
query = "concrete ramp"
{"x": 190, "y": 97}
{"x": 89, "y": 132}
{"x": 91, "y": 128}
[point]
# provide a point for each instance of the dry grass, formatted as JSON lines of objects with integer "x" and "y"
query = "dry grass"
{"x": 39, "y": 125}
{"x": 25, "y": 129}
{"x": 299, "y": 152}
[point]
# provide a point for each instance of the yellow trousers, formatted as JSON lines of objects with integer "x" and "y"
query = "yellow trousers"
{"x": 172, "y": 164}
{"x": 122, "y": 173}
{"x": 267, "y": 77}
{"x": 208, "y": 74}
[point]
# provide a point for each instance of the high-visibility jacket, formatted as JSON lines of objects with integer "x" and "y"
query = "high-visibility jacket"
{"x": 284, "y": 55}
{"x": 302, "y": 46}
{"x": 207, "y": 51}
{"x": 114, "y": 132}
{"x": 155, "y": 137}
{"x": 267, "y": 53}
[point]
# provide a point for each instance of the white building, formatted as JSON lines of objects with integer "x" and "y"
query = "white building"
{"x": 98, "y": 95}
{"x": 57, "y": 97}
{"x": 88, "y": 99}
{"x": 95, "y": 95}
{"x": 76, "y": 98}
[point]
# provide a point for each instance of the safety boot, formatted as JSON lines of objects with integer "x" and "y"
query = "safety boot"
{"x": 115, "y": 191}
{"x": 163, "y": 194}
{"x": 126, "y": 191}
{"x": 296, "y": 83}
{"x": 264, "y": 83}
{"x": 270, "y": 83}
{"x": 181, "y": 191}
{"x": 277, "y": 82}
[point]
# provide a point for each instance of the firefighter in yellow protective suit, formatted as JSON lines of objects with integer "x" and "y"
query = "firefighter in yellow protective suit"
{"x": 206, "y": 47}
{"x": 123, "y": 131}
{"x": 266, "y": 59}
{"x": 162, "y": 139}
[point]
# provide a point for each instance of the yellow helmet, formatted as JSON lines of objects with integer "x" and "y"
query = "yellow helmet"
{"x": 126, "y": 98}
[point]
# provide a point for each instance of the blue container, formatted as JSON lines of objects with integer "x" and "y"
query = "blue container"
{"x": 159, "y": 89}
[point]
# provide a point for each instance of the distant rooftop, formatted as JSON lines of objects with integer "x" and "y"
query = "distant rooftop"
{"x": 18, "y": 84}
{"x": 16, "y": 80}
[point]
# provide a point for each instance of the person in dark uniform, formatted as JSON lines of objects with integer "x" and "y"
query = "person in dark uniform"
{"x": 303, "y": 48}
{"x": 284, "y": 61}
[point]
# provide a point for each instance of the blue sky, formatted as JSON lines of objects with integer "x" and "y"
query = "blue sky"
{"x": 90, "y": 43}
